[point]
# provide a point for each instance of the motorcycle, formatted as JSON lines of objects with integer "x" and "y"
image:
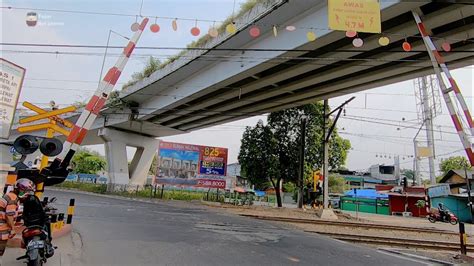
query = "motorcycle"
{"x": 36, "y": 239}
{"x": 434, "y": 217}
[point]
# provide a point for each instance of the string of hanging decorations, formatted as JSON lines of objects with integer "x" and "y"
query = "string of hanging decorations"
{"x": 255, "y": 31}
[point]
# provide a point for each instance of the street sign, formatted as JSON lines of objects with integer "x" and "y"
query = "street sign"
{"x": 355, "y": 15}
{"x": 11, "y": 80}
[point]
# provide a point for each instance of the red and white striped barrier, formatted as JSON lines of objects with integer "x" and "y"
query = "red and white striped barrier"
{"x": 95, "y": 104}
{"x": 439, "y": 63}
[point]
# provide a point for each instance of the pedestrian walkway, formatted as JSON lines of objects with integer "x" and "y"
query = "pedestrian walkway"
{"x": 409, "y": 221}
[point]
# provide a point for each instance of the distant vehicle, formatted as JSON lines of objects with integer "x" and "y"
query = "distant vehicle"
{"x": 436, "y": 216}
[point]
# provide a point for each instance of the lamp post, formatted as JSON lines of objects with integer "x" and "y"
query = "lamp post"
{"x": 301, "y": 166}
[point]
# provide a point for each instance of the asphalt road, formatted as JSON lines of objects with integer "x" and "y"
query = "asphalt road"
{"x": 111, "y": 231}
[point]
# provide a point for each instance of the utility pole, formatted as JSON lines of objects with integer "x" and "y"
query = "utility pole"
{"x": 326, "y": 157}
{"x": 416, "y": 163}
{"x": 301, "y": 166}
{"x": 428, "y": 118}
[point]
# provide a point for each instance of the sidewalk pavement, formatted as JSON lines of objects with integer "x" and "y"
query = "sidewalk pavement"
{"x": 66, "y": 254}
{"x": 410, "y": 221}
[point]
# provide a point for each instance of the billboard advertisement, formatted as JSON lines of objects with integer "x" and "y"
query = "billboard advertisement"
{"x": 191, "y": 165}
{"x": 11, "y": 79}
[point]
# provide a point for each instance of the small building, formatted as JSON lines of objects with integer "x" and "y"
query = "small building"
{"x": 457, "y": 204}
{"x": 405, "y": 201}
{"x": 365, "y": 200}
{"x": 457, "y": 180}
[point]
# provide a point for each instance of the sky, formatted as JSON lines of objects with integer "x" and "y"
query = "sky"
{"x": 380, "y": 123}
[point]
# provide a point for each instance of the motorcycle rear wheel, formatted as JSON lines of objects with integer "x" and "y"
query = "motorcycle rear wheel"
{"x": 453, "y": 221}
{"x": 432, "y": 219}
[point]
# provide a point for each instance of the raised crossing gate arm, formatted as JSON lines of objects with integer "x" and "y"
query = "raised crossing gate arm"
{"x": 57, "y": 171}
{"x": 440, "y": 66}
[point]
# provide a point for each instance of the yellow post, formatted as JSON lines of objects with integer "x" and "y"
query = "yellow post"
{"x": 44, "y": 163}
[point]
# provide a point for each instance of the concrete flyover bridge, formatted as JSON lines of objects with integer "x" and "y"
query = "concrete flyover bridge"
{"x": 239, "y": 76}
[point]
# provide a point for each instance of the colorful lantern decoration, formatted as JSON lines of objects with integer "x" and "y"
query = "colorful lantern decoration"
{"x": 384, "y": 41}
{"x": 290, "y": 28}
{"x": 351, "y": 34}
{"x": 254, "y": 31}
{"x": 275, "y": 30}
{"x": 231, "y": 28}
{"x": 311, "y": 36}
{"x": 213, "y": 32}
{"x": 174, "y": 24}
{"x": 135, "y": 26}
{"x": 446, "y": 46}
{"x": 406, "y": 46}
{"x": 195, "y": 31}
{"x": 155, "y": 27}
{"x": 357, "y": 42}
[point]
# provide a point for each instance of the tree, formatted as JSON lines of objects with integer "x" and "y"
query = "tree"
{"x": 87, "y": 162}
{"x": 336, "y": 183}
{"x": 154, "y": 166}
{"x": 281, "y": 138}
{"x": 258, "y": 158}
{"x": 454, "y": 163}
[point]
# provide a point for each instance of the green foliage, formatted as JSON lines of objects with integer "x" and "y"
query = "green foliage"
{"x": 289, "y": 187}
{"x": 89, "y": 187}
{"x": 154, "y": 166}
{"x": 152, "y": 65}
{"x": 87, "y": 162}
{"x": 336, "y": 183}
{"x": 270, "y": 152}
{"x": 420, "y": 204}
{"x": 454, "y": 163}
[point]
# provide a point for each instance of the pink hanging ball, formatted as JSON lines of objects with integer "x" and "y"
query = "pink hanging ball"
{"x": 155, "y": 28}
{"x": 254, "y": 31}
{"x": 195, "y": 31}
{"x": 351, "y": 34}
{"x": 446, "y": 46}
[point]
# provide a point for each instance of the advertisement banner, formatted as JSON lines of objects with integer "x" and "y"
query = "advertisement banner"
{"x": 439, "y": 190}
{"x": 355, "y": 15}
{"x": 191, "y": 165}
{"x": 11, "y": 80}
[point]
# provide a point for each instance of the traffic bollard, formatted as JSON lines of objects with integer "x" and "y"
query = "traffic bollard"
{"x": 70, "y": 211}
{"x": 463, "y": 238}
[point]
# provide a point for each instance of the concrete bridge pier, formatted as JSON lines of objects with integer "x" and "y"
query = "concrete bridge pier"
{"x": 116, "y": 142}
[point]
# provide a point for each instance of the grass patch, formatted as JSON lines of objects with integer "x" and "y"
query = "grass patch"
{"x": 89, "y": 187}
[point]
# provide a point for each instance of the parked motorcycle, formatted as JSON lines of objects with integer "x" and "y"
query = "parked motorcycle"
{"x": 436, "y": 217}
{"x": 36, "y": 239}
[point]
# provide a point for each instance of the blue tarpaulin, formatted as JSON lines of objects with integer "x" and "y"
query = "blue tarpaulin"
{"x": 366, "y": 193}
{"x": 259, "y": 193}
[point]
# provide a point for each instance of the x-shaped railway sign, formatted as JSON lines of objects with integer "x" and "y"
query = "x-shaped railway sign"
{"x": 53, "y": 117}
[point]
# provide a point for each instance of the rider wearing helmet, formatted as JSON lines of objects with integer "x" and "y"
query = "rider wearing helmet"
{"x": 8, "y": 210}
{"x": 443, "y": 212}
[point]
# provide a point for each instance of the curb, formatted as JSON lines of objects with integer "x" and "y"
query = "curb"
{"x": 415, "y": 256}
{"x": 105, "y": 195}
{"x": 16, "y": 241}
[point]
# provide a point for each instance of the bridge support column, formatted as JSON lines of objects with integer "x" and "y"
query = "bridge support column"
{"x": 116, "y": 142}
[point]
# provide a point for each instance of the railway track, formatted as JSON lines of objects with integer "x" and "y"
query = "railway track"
{"x": 399, "y": 242}
{"x": 351, "y": 224}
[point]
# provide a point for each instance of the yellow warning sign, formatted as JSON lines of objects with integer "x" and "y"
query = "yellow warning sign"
{"x": 355, "y": 15}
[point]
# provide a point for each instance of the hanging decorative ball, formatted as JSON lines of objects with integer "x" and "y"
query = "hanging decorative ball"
{"x": 406, "y": 46}
{"x": 311, "y": 36}
{"x": 174, "y": 25}
{"x": 446, "y": 46}
{"x": 290, "y": 28}
{"x": 351, "y": 34}
{"x": 195, "y": 31}
{"x": 254, "y": 31}
{"x": 213, "y": 32}
{"x": 135, "y": 26}
{"x": 231, "y": 28}
{"x": 357, "y": 42}
{"x": 154, "y": 28}
{"x": 376, "y": 155}
{"x": 384, "y": 41}
{"x": 275, "y": 31}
